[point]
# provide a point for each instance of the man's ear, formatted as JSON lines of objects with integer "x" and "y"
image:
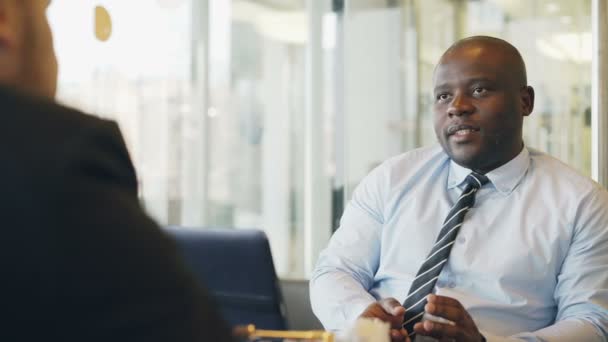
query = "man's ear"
{"x": 9, "y": 23}
{"x": 527, "y": 100}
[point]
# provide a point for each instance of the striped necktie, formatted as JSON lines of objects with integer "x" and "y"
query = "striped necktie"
{"x": 427, "y": 275}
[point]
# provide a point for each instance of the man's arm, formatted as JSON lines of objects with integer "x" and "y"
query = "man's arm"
{"x": 463, "y": 329}
{"x": 581, "y": 293}
{"x": 118, "y": 277}
{"x": 563, "y": 331}
{"x": 345, "y": 270}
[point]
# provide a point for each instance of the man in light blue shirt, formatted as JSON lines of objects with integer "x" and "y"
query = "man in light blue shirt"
{"x": 530, "y": 261}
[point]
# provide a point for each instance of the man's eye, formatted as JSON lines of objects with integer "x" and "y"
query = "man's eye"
{"x": 443, "y": 97}
{"x": 479, "y": 91}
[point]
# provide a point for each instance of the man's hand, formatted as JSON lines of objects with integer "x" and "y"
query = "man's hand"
{"x": 463, "y": 330}
{"x": 389, "y": 310}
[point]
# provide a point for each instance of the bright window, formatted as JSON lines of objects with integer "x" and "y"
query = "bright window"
{"x": 266, "y": 114}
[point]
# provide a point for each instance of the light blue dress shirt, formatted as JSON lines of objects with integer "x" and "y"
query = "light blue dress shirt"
{"x": 530, "y": 261}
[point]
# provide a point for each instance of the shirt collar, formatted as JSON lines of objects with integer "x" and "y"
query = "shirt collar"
{"x": 504, "y": 178}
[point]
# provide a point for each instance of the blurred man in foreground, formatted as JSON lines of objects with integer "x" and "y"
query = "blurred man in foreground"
{"x": 81, "y": 261}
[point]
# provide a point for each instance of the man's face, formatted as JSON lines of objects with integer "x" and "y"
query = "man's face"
{"x": 478, "y": 108}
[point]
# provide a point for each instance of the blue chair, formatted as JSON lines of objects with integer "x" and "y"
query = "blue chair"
{"x": 236, "y": 267}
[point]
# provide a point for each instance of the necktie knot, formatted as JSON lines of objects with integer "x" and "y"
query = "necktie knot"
{"x": 476, "y": 180}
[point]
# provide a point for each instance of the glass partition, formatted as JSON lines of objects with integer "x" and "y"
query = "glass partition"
{"x": 267, "y": 113}
{"x": 390, "y": 50}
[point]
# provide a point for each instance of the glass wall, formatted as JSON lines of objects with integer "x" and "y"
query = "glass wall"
{"x": 391, "y": 47}
{"x": 256, "y": 110}
{"x": 140, "y": 77}
{"x": 267, "y": 113}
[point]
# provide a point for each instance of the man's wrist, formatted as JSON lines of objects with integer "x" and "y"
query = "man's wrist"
{"x": 357, "y": 309}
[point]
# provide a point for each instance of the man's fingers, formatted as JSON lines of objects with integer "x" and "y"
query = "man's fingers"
{"x": 388, "y": 310}
{"x": 437, "y": 330}
{"x": 459, "y": 325}
{"x": 395, "y": 311}
{"x": 443, "y": 300}
{"x": 398, "y": 335}
{"x": 445, "y": 311}
{"x": 376, "y": 310}
{"x": 419, "y": 329}
{"x": 392, "y": 306}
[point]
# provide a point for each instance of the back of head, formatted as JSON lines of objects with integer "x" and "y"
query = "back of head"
{"x": 27, "y": 57}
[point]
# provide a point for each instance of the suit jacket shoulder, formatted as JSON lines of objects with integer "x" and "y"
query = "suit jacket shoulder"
{"x": 83, "y": 261}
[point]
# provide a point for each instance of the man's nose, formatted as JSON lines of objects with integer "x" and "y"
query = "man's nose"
{"x": 460, "y": 105}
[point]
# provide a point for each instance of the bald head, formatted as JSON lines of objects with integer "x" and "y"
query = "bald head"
{"x": 509, "y": 56}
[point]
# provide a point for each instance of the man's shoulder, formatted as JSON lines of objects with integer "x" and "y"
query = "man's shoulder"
{"x": 414, "y": 161}
{"x": 37, "y": 127}
{"x": 39, "y": 138}
{"x": 407, "y": 167}
{"x": 418, "y": 156}
{"x": 43, "y": 115}
{"x": 546, "y": 168}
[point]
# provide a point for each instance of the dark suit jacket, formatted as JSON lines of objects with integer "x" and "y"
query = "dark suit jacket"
{"x": 80, "y": 260}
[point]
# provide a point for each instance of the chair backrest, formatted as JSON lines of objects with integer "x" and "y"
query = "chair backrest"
{"x": 236, "y": 267}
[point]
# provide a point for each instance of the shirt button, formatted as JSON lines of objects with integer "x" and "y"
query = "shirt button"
{"x": 452, "y": 285}
{"x": 439, "y": 283}
{"x": 462, "y": 239}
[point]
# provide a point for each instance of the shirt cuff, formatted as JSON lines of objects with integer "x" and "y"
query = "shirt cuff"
{"x": 487, "y": 337}
{"x": 355, "y": 310}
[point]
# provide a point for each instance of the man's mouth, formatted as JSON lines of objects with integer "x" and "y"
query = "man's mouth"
{"x": 461, "y": 130}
